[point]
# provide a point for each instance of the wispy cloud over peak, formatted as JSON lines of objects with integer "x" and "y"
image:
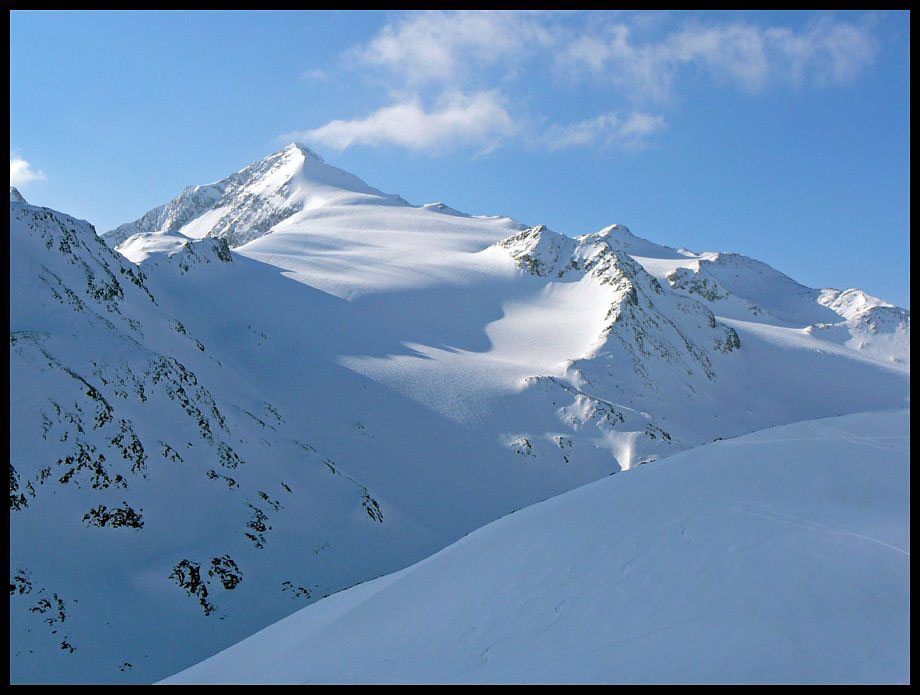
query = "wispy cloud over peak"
{"x": 479, "y": 119}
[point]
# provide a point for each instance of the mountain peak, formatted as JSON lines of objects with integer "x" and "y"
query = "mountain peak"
{"x": 303, "y": 149}
{"x": 16, "y": 196}
{"x": 250, "y": 202}
{"x": 615, "y": 230}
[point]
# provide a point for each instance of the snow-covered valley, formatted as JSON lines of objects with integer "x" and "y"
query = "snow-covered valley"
{"x": 286, "y": 383}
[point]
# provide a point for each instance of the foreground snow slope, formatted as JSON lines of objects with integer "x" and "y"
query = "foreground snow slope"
{"x": 780, "y": 556}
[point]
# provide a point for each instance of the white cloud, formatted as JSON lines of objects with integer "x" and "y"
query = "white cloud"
{"x": 609, "y": 56}
{"x": 525, "y": 59}
{"x": 829, "y": 52}
{"x": 735, "y": 53}
{"x": 640, "y": 125}
{"x": 448, "y": 46}
{"x": 21, "y": 172}
{"x": 457, "y": 49}
{"x": 606, "y": 130}
{"x": 739, "y": 54}
{"x": 479, "y": 119}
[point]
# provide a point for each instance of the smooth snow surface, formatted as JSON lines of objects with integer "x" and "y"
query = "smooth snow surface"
{"x": 781, "y": 556}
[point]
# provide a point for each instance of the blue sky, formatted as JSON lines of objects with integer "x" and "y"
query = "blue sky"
{"x": 784, "y": 136}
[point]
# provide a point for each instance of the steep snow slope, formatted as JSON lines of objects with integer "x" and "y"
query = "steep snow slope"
{"x": 159, "y": 501}
{"x": 780, "y": 556}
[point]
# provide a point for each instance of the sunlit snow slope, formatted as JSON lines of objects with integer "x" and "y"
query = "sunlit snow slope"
{"x": 780, "y": 556}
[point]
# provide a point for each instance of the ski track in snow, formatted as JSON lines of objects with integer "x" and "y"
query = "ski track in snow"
{"x": 779, "y": 517}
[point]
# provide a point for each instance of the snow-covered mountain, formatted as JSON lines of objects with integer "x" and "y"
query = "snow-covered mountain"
{"x": 247, "y": 204}
{"x": 288, "y": 382}
{"x": 777, "y": 557}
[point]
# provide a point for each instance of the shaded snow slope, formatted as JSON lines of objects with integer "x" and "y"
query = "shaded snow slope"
{"x": 147, "y": 460}
{"x": 781, "y": 556}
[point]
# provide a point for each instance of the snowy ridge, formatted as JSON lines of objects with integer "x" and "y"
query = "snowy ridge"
{"x": 852, "y": 317}
{"x": 184, "y": 254}
{"x": 854, "y": 304}
{"x": 249, "y": 203}
{"x": 867, "y": 313}
{"x": 743, "y": 289}
{"x": 633, "y": 318}
{"x": 444, "y": 208}
{"x": 781, "y": 556}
